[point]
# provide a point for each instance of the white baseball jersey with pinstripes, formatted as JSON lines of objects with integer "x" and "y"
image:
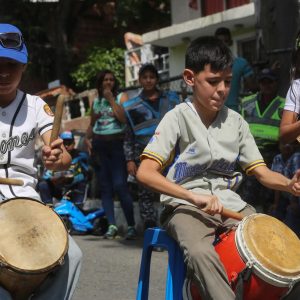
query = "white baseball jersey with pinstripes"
{"x": 20, "y": 122}
{"x": 205, "y": 158}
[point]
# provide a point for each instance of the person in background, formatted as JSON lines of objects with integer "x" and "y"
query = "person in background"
{"x": 285, "y": 206}
{"x": 262, "y": 111}
{"x": 210, "y": 140}
{"x": 74, "y": 180}
{"x": 290, "y": 124}
{"x": 241, "y": 72}
{"x": 104, "y": 139}
{"x": 23, "y": 118}
{"x": 143, "y": 114}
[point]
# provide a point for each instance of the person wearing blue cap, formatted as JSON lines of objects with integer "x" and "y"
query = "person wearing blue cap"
{"x": 23, "y": 118}
{"x": 73, "y": 181}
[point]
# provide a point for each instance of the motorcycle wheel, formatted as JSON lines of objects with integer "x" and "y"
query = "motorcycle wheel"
{"x": 100, "y": 226}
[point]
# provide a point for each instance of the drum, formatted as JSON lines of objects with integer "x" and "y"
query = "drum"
{"x": 263, "y": 254}
{"x": 33, "y": 243}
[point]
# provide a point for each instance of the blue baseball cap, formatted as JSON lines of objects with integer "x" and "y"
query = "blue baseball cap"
{"x": 20, "y": 53}
{"x": 67, "y": 135}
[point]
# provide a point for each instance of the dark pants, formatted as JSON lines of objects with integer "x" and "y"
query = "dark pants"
{"x": 112, "y": 176}
{"x": 48, "y": 190}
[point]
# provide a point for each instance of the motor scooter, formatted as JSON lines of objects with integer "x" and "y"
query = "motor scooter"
{"x": 79, "y": 220}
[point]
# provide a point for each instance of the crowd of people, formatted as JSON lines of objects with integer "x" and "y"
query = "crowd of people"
{"x": 193, "y": 152}
{"x": 120, "y": 129}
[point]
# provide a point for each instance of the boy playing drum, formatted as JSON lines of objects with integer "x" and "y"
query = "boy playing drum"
{"x": 208, "y": 140}
{"x": 23, "y": 116}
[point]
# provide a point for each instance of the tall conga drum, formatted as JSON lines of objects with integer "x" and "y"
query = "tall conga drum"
{"x": 33, "y": 243}
{"x": 261, "y": 256}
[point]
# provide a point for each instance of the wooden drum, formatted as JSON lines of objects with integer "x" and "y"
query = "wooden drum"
{"x": 33, "y": 243}
{"x": 267, "y": 247}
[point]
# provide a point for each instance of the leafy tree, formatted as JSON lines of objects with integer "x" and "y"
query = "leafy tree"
{"x": 99, "y": 59}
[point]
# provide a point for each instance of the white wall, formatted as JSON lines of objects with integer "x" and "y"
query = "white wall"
{"x": 181, "y": 11}
{"x": 176, "y": 59}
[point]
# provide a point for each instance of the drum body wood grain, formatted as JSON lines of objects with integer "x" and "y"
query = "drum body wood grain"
{"x": 33, "y": 243}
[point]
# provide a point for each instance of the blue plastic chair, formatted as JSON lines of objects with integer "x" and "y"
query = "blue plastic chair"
{"x": 156, "y": 237}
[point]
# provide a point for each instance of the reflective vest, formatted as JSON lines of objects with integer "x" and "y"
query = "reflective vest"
{"x": 143, "y": 118}
{"x": 264, "y": 126}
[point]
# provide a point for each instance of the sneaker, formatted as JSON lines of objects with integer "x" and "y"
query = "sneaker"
{"x": 131, "y": 233}
{"x": 111, "y": 233}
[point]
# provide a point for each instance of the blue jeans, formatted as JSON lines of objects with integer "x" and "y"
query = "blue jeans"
{"x": 112, "y": 176}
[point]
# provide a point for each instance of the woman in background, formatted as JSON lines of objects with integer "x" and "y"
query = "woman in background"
{"x": 104, "y": 138}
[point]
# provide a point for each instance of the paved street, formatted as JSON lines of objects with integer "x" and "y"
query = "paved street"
{"x": 111, "y": 268}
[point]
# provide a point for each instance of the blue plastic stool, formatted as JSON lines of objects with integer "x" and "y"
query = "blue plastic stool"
{"x": 156, "y": 237}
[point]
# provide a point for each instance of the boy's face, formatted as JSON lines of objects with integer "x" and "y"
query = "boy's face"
{"x": 10, "y": 76}
{"x": 148, "y": 80}
{"x": 210, "y": 88}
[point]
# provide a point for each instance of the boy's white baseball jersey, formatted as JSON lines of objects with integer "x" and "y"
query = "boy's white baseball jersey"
{"x": 205, "y": 158}
{"x": 20, "y": 122}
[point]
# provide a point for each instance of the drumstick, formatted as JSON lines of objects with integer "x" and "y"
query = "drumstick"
{"x": 57, "y": 117}
{"x": 231, "y": 214}
{"x": 11, "y": 181}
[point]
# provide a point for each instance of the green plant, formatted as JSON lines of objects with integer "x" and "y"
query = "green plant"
{"x": 99, "y": 59}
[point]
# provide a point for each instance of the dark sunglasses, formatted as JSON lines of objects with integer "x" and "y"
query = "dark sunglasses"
{"x": 68, "y": 142}
{"x": 11, "y": 40}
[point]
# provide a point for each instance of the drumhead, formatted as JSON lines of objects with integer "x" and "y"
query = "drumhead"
{"x": 32, "y": 237}
{"x": 272, "y": 244}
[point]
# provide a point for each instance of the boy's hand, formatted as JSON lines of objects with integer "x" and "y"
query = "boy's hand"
{"x": 208, "y": 203}
{"x": 52, "y": 155}
{"x": 294, "y": 184}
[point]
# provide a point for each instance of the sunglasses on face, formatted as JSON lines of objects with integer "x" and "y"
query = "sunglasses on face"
{"x": 11, "y": 40}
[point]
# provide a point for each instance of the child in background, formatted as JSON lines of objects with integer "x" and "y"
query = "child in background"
{"x": 73, "y": 180}
{"x": 143, "y": 114}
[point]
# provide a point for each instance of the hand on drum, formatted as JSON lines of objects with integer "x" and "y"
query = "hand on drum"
{"x": 52, "y": 155}
{"x": 208, "y": 203}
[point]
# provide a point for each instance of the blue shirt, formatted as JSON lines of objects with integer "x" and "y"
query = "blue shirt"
{"x": 287, "y": 168}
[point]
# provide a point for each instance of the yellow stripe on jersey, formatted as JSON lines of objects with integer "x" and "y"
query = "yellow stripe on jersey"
{"x": 254, "y": 165}
{"x": 152, "y": 155}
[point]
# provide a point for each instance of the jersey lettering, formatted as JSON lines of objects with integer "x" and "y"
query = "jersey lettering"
{"x": 183, "y": 170}
{"x": 16, "y": 141}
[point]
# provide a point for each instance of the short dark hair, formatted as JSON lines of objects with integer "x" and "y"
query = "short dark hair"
{"x": 150, "y": 68}
{"x": 208, "y": 50}
{"x": 223, "y": 31}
